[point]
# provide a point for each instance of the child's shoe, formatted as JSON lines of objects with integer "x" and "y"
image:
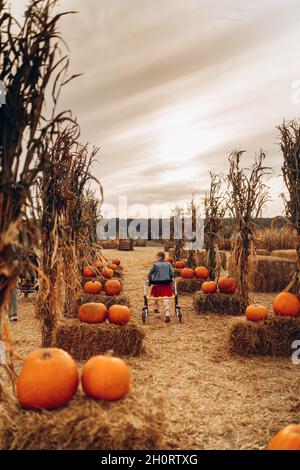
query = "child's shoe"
{"x": 168, "y": 318}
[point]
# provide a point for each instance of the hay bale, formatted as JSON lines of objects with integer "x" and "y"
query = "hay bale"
{"x": 272, "y": 337}
{"x": 101, "y": 298}
{"x": 84, "y": 340}
{"x": 109, "y": 244}
{"x": 286, "y": 254}
{"x": 141, "y": 242}
{"x": 218, "y": 303}
{"x": 271, "y": 274}
{"x": 188, "y": 286}
{"x": 262, "y": 252}
{"x": 136, "y": 422}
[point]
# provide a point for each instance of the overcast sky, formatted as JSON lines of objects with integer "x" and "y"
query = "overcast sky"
{"x": 171, "y": 86}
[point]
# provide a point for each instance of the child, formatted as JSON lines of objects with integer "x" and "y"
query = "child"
{"x": 161, "y": 275}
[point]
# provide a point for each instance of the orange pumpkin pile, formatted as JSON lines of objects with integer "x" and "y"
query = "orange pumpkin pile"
{"x": 49, "y": 379}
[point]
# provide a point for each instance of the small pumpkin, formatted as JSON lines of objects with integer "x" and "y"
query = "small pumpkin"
{"x": 201, "y": 272}
{"x": 88, "y": 271}
{"x": 48, "y": 379}
{"x": 209, "y": 287}
{"x": 256, "y": 312}
{"x": 92, "y": 287}
{"x": 107, "y": 273}
{"x": 227, "y": 285}
{"x": 113, "y": 287}
{"x": 287, "y": 438}
{"x": 92, "y": 313}
{"x": 117, "y": 261}
{"x": 106, "y": 378}
{"x": 119, "y": 314}
{"x": 287, "y": 305}
{"x": 187, "y": 273}
{"x": 180, "y": 265}
{"x": 113, "y": 266}
{"x": 98, "y": 265}
{"x": 169, "y": 260}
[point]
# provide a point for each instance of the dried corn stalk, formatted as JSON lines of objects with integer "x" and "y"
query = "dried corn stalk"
{"x": 247, "y": 194}
{"x": 215, "y": 209}
{"x": 290, "y": 146}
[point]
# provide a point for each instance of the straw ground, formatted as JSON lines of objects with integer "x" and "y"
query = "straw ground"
{"x": 213, "y": 400}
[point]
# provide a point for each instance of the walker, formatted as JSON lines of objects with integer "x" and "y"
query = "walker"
{"x": 147, "y": 298}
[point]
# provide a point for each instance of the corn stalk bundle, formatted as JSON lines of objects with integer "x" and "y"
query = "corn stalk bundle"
{"x": 290, "y": 146}
{"x": 32, "y": 63}
{"x": 179, "y": 238}
{"x": 60, "y": 192}
{"x": 247, "y": 194}
{"x": 191, "y": 263}
{"x": 215, "y": 209}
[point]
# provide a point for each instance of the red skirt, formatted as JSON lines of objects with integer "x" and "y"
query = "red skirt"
{"x": 162, "y": 290}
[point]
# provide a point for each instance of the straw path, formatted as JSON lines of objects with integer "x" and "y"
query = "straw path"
{"x": 213, "y": 400}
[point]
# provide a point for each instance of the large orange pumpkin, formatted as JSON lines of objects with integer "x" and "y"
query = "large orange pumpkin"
{"x": 187, "y": 273}
{"x": 117, "y": 261}
{"x": 92, "y": 313}
{"x": 256, "y": 312}
{"x": 88, "y": 271}
{"x": 227, "y": 285}
{"x": 286, "y": 305}
{"x": 106, "y": 378}
{"x": 201, "y": 272}
{"x": 98, "y": 265}
{"x": 113, "y": 266}
{"x": 118, "y": 314}
{"x": 113, "y": 287}
{"x": 209, "y": 287}
{"x": 107, "y": 273}
{"x": 286, "y": 439}
{"x": 92, "y": 287}
{"x": 180, "y": 265}
{"x": 48, "y": 379}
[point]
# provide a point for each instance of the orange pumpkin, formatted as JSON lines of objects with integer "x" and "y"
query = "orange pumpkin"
{"x": 88, "y": 271}
{"x": 256, "y": 312}
{"x": 286, "y": 305}
{"x": 113, "y": 287}
{"x": 107, "y": 273}
{"x": 169, "y": 260}
{"x": 92, "y": 313}
{"x": 98, "y": 265}
{"x": 286, "y": 439}
{"x": 106, "y": 378}
{"x": 227, "y": 285}
{"x": 117, "y": 261}
{"x": 187, "y": 273}
{"x": 92, "y": 287}
{"x": 180, "y": 265}
{"x": 209, "y": 287}
{"x": 113, "y": 266}
{"x": 201, "y": 272}
{"x": 118, "y": 314}
{"x": 48, "y": 379}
